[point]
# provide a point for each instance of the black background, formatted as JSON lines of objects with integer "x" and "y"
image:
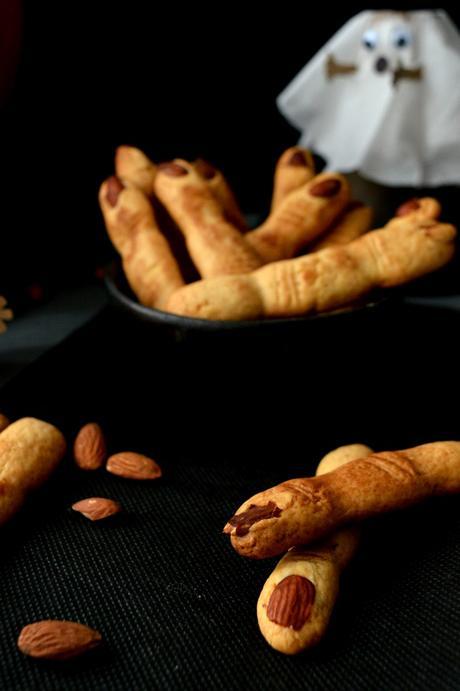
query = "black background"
{"x": 176, "y": 606}
{"x": 176, "y": 81}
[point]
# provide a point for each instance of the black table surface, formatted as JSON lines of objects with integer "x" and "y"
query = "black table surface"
{"x": 226, "y": 416}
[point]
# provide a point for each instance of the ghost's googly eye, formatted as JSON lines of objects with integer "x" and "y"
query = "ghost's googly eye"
{"x": 370, "y": 39}
{"x": 401, "y": 37}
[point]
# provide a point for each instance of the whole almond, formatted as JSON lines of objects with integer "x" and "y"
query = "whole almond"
{"x": 97, "y": 508}
{"x": 89, "y": 448}
{"x": 52, "y": 639}
{"x": 298, "y": 159}
{"x": 134, "y": 466}
{"x": 325, "y": 188}
{"x": 4, "y": 422}
{"x": 291, "y": 602}
{"x": 172, "y": 168}
{"x": 114, "y": 188}
{"x": 408, "y": 207}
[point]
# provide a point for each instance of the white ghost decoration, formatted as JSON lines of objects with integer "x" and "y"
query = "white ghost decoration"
{"x": 382, "y": 98}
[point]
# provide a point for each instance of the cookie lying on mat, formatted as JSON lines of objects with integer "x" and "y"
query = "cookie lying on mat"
{"x": 402, "y": 251}
{"x": 30, "y": 450}
{"x": 297, "y": 600}
{"x": 300, "y": 511}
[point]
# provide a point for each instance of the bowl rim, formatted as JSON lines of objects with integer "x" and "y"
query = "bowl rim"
{"x": 114, "y": 272}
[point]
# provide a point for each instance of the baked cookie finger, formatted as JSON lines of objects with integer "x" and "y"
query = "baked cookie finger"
{"x": 148, "y": 263}
{"x": 135, "y": 169}
{"x": 30, "y": 450}
{"x": 222, "y": 192}
{"x": 324, "y": 280}
{"x": 301, "y": 217}
{"x": 297, "y": 600}
{"x": 294, "y": 168}
{"x": 215, "y": 245}
{"x": 418, "y": 209}
{"x": 355, "y": 220}
{"x": 300, "y": 511}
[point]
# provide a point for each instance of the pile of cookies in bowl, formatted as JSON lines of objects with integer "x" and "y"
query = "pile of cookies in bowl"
{"x": 186, "y": 249}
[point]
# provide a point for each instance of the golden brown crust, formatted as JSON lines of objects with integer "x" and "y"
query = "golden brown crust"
{"x": 149, "y": 265}
{"x": 319, "y": 565}
{"x": 418, "y": 208}
{"x": 222, "y": 192}
{"x": 216, "y": 247}
{"x": 310, "y": 508}
{"x": 355, "y": 220}
{"x": 30, "y": 450}
{"x": 294, "y": 168}
{"x": 301, "y": 217}
{"x": 135, "y": 169}
{"x": 324, "y": 280}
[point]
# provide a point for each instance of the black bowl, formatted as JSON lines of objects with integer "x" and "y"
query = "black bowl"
{"x": 123, "y": 299}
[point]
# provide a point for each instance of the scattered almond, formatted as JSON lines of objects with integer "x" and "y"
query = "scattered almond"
{"x": 97, "y": 508}
{"x": 90, "y": 450}
{"x": 134, "y": 466}
{"x": 52, "y": 639}
{"x": 4, "y": 422}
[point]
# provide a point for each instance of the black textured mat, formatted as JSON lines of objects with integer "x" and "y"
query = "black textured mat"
{"x": 227, "y": 417}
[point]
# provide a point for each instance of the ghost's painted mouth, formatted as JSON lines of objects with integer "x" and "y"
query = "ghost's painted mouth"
{"x": 381, "y": 65}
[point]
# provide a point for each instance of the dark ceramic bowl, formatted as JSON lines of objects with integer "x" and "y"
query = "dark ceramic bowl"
{"x": 123, "y": 299}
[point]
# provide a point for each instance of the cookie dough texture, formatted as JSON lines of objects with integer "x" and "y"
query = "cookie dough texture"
{"x": 30, "y": 450}
{"x": 288, "y": 624}
{"x": 303, "y": 510}
{"x": 216, "y": 246}
{"x": 148, "y": 262}
{"x": 331, "y": 278}
{"x": 300, "y": 217}
{"x": 294, "y": 168}
{"x": 352, "y": 223}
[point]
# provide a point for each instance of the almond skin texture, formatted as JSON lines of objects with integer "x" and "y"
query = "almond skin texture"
{"x": 291, "y": 602}
{"x": 97, "y": 508}
{"x": 90, "y": 450}
{"x": 133, "y": 466}
{"x": 52, "y": 639}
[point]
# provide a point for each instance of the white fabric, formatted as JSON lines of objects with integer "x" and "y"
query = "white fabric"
{"x": 403, "y": 134}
